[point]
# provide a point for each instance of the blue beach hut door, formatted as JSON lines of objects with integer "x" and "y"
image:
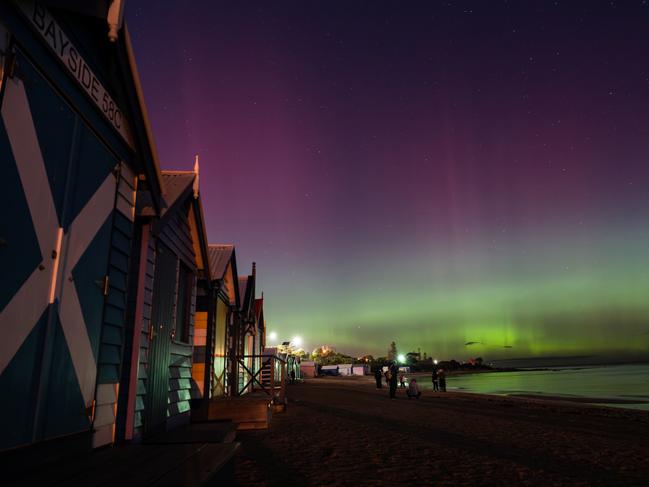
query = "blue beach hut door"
{"x": 164, "y": 293}
{"x": 58, "y": 195}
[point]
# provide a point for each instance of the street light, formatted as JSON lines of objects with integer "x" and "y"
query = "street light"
{"x": 272, "y": 336}
{"x": 401, "y": 358}
{"x": 435, "y": 361}
{"x": 297, "y": 341}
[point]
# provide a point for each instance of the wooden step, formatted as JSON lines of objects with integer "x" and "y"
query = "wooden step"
{"x": 247, "y": 412}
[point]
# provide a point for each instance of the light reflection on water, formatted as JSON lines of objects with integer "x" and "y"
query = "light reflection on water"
{"x": 617, "y": 382}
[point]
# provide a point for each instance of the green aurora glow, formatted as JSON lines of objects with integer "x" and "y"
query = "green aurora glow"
{"x": 560, "y": 297}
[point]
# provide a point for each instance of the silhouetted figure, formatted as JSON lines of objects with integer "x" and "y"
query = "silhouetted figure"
{"x": 413, "y": 390}
{"x": 392, "y": 374}
{"x": 378, "y": 376}
{"x": 435, "y": 380}
{"x": 441, "y": 375}
{"x": 402, "y": 381}
{"x": 292, "y": 376}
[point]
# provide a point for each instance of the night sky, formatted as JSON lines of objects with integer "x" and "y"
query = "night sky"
{"x": 434, "y": 173}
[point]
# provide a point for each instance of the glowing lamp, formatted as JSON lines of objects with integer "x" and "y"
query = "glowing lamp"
{"x": 401, "y": 358}
{"x": 297, "y": 341}
{"x": 435, "y": 361}
{"x": 272, "y": 336}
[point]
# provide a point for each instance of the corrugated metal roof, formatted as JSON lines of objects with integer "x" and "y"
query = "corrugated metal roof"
{"x": 175, "y": 183}
{"x": 243, "y": 284}
{"x": 219, "y": 255}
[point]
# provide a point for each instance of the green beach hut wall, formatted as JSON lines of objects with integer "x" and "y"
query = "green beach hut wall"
{"x": 172, "y": 264}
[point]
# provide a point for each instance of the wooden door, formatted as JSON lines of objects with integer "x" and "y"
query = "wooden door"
{"x": 59, "y": 188}
{"x": 164, "y": 290}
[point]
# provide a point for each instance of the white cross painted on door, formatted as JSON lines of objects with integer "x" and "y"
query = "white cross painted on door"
{"x": 53, "y": 278}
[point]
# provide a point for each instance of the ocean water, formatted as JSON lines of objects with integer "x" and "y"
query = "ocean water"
{"x": 615, "y": 382}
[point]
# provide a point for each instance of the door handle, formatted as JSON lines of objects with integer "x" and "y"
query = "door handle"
{"x": 152, "y": 332}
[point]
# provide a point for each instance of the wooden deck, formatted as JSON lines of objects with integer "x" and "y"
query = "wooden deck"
{"x": 250, "y": 411}
{"x": 190, "y": 456}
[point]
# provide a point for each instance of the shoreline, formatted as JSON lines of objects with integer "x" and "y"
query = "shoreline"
{"x": 602, "y": 401}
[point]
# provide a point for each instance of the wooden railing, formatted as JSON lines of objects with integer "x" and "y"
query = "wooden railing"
{"x": 269, "y": 376}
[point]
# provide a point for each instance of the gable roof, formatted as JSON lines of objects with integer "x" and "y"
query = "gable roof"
{"x": 175, "y": 184}
{"x": 219, "y": 256}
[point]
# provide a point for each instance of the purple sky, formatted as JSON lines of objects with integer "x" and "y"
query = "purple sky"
{"x": 373, "y": 158}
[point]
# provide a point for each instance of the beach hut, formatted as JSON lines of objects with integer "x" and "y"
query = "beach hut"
{"x": 361, "y": 369}
{"x": 345, "y": 369}
{"x": 173, "y": 261}
{"x": 216, "y": 306}
{"x": 330, "y": 370}
{"x": 308, "y": 369}
{"x": 245, "y": 334}
{"x": 354, "y": 369}
{"x": 75, "y": 147}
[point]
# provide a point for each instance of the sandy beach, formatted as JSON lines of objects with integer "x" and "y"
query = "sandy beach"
{"x": 344, "y": 431}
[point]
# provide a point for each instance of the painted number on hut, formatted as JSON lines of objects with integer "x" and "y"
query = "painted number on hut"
{"x": 69, "y": 55}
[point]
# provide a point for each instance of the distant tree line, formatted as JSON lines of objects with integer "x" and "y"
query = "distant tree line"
{"x": 328, "y": 356}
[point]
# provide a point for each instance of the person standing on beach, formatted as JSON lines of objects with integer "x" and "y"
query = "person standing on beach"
{"x": 378, "y": 376}
{"x": 435, "y": 380}
{"x": 441, "y": 375}
{"x": 392, "y": 373}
